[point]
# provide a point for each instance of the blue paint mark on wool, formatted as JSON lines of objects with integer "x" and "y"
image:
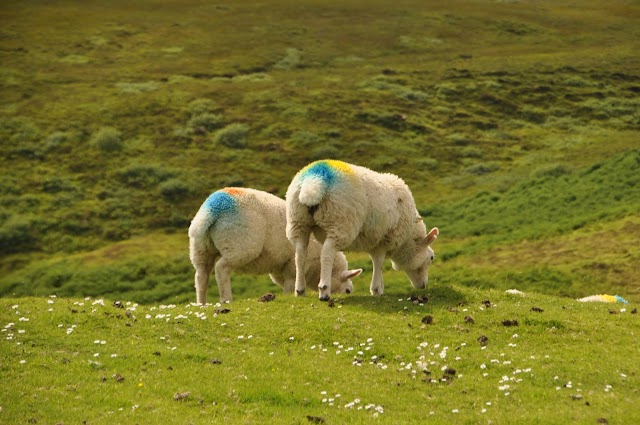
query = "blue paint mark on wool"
{"x": 219, "y": 203}
{"x": 322, "y": 170}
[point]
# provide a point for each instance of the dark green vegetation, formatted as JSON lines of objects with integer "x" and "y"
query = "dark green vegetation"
{"x": 514, "y": 123}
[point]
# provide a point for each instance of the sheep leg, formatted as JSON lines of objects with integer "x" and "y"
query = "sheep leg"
{"x": 326, "y": 267}
{"x": 203, "y": 271}
{"x": 377, "y": 286}
{"x": 302, "y": 245}
{"x": 223, "y": 279}
{"x": 289, "y": 285}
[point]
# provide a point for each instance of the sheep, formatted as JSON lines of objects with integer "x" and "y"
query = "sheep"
{"x": 352, "y": 208}
{"x": 241, "y": 229}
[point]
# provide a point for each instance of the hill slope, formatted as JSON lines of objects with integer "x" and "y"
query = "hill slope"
{"x": 111, "y": 134}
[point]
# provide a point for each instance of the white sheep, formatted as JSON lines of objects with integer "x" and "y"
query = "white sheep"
{"x": 240, "y": 229}
{"x": 352, "y": 208}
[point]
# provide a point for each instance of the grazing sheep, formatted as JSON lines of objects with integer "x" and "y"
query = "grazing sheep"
{"x": 244, "y": 230}
{"x": 352, "y": 208}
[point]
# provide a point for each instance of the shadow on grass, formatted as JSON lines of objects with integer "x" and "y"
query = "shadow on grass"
{"x": 438, "y": 296}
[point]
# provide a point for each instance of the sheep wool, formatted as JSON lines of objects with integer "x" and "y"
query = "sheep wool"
{"x": 242, "y": 229}
{"x": 352, "y": 208}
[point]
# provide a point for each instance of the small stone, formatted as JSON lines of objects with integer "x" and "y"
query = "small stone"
{"x": 181, "y": 396}
{"x": 510, "y": 323}
{"x": 469, "y": 320}
{"x": 215, "y": 361}
{"x": 427, "y": 320}
{"x": 482, "y": 339}
{"x": 537, "y": 309}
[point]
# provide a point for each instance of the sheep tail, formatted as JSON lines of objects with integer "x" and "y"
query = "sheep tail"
{"x": 201, "y": 223}
{"x": 312, "y": 190}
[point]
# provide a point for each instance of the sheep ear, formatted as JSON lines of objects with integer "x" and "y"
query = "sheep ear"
{"x": 350, "y": 274}
{"x": 431, "y": 236}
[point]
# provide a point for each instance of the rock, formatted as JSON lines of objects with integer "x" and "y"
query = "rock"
{"x": 181, "y": 396}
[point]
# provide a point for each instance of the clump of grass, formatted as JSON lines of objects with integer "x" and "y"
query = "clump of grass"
{"x": 233, "y": 136}
{"x": 482, "y": 168}
{"x": 59, "y": 140}
{"x": 447, "y": 90}
{"x": 257, "y": 77}
{"x": 205, "y": 122}
{"x": 143, "y": 175}
{"x": 533, "y": 115}
{"x": 201, "y": 106}
{"x": 291, "y": 60}
{"x": 305, "y": 139}
{"x": 553, "y": 170}
{"x": 471, "y": 152}
{"x": 75, "y": 59}
{"x": 325, "y": 152}
{"x": 577, "y": 81}
{"x": 107, "y": 139}
{"x": 136, "y": 88}
{"x": 173, "y": 189}
{"x": 459, "y": 139}
{"x": 427, "y": 163}
{"x": 278, "y": 131}
{"x": 18, "y": 233}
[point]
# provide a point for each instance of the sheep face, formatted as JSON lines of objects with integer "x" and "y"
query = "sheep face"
{"x": 419, "y": 276}
{"x": 341, "y": 281}
{"x": 417, "y": 268}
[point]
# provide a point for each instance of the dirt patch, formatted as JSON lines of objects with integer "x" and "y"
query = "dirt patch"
{"x": 267, "y": 297}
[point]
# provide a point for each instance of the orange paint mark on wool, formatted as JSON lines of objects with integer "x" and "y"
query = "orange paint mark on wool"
{"x": 233, "y": 191}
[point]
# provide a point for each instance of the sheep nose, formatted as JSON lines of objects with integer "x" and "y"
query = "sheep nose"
{"x": 348, "y": 291}
{"x": 325, "y": 297}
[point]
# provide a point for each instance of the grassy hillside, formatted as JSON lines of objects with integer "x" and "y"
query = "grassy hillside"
{"x": 462, "y": 356}
{"x": 515, "y": 124}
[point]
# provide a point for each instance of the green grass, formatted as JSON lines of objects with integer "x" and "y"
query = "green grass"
{"x": 514, "y": 123}
{"x": 87, "y": 360}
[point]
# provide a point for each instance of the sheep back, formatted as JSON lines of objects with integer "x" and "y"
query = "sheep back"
{"x": 360, "y": 209}
{"x": 246, "y": 226}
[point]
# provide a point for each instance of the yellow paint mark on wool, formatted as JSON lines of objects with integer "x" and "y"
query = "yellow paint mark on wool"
{"x": 340, "y": 166}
